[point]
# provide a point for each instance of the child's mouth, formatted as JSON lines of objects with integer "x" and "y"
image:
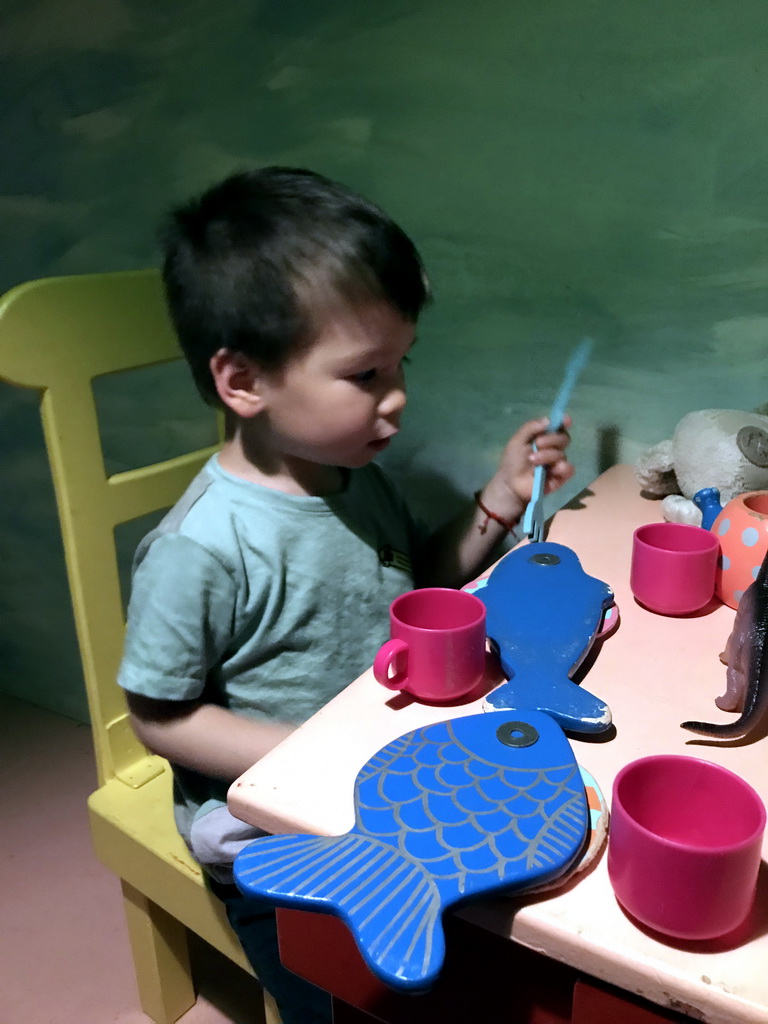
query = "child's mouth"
{"x": 380, "y": 445}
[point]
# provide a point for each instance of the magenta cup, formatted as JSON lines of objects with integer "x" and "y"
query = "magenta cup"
{"x": 674, "y": 567}
{"x": 684, "y": 845}
{"x": 437, "y": 650}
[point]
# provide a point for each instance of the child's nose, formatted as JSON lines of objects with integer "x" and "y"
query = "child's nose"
{"x": 393, "y": 402}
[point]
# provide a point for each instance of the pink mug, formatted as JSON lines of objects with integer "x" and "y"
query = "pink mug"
{"x": 437, "y": 650}
{"x": 674, "y": 567}
{"x": 684, "y": 845}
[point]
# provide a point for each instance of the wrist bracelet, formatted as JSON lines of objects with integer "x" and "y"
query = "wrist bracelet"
{"x": 506, "y": 523}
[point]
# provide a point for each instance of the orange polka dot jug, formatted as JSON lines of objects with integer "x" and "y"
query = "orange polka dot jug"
{"x": 742, "y": 528}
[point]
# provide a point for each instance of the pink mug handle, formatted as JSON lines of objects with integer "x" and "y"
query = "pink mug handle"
{"x": 384, "y": 661}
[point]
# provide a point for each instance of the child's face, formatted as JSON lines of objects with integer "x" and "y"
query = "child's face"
{"x": 339, "y": 402}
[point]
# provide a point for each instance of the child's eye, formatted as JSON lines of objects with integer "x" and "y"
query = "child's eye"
{"x": 365, "y": 377}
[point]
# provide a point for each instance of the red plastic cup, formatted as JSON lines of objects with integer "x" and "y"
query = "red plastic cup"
{"x": 684, "y": 845}
{"x": 674, "y": 567}
{"x": 437, "y": 650}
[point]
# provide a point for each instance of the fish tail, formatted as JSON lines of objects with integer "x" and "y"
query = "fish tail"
{"x": 389, "y": 902}
{"x": 573, "y": 708}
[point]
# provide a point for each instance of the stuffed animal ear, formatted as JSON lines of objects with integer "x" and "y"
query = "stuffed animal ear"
{"x": 655, "y": 470}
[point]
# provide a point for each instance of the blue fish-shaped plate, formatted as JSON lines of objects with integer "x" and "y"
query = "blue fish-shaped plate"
{"x": 489, "y": 803}
{"x": 543, "y": 613}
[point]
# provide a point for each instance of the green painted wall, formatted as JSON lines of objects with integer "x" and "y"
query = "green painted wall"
{"x": 565, "y": 168}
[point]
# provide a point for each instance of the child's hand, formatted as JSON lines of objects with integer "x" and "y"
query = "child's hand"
{"x": 462, "y": 547}
{"x": 512, "y": 486}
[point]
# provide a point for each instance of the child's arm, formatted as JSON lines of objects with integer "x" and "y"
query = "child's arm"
{"x": 179, "y": 627}
{"x": 462, "y": 548}
{"x": 204, "y": 737}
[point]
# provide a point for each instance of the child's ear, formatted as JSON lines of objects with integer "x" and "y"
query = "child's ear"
{"x": 238, "y": 382}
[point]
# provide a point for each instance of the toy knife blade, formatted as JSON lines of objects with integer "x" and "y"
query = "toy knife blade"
{"x": 533, "y": 525}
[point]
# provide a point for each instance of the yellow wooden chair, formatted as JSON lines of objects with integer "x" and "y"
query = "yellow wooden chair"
{"x": 58, "y": 335}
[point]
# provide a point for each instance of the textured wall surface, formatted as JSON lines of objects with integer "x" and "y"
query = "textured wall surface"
{"x": 565, "y": 169}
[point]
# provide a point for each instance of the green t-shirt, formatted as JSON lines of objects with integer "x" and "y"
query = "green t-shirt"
{"x": 265, "y": 603}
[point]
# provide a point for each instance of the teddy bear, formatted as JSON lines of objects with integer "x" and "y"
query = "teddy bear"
{"x": 726, "y": 449}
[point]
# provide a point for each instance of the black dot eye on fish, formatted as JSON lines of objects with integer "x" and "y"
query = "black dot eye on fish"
{"x": 517, "y": 734}
{"x": 545, "y": 559}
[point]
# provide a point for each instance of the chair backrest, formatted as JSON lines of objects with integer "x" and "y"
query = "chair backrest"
{"x": 58, "y": 335}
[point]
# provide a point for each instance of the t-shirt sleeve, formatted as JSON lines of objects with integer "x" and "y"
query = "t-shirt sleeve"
{"x": 180, "y": 618}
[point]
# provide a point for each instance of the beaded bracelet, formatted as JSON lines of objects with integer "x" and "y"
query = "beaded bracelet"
{"x": 508, "y": 526}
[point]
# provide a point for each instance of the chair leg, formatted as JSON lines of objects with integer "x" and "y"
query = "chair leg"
{"x": 160, "y": 958}
{"x": 271, "y": 1013}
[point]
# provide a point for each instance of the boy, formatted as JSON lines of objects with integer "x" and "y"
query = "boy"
{"x": 266, "y": 588}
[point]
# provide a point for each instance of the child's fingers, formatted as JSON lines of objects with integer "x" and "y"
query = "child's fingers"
{"x": 532, "y": 431}
{"x": 556, "y": 437}
{"x": 553, "y": 442}
{"x": 557, "y": 476}
{"x": 562, "y": 429}
{"x": 556, "y": 467}
{"x": 548, "y": 452}
{"x": 538, "y": 431}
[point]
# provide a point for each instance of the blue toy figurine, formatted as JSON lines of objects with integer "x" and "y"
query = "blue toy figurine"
{"x": 708, "y": 500}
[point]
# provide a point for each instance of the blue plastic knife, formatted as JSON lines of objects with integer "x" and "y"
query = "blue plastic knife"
{"x": 533, "y": 524}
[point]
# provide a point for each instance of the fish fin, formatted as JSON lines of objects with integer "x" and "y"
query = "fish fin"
{"x": 389, "y": 902}
{"x": 572, "y": 707}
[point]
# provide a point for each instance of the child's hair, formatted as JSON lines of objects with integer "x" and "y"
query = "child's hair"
{"x": 250, "y": 265}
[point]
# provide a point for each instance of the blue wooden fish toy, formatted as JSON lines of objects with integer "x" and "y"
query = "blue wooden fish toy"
{"x": 484, "y": 804}
{"x": 543, "y": 613}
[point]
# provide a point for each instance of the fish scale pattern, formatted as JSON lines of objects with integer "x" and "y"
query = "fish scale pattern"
{"x": 448, "y": 812}
{"x": 465, "y": 815}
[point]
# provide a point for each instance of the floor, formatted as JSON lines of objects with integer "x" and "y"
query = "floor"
{"x": 64, "y": 953}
